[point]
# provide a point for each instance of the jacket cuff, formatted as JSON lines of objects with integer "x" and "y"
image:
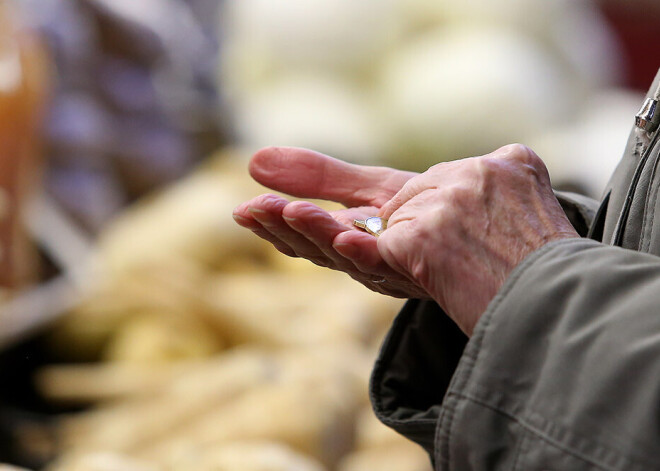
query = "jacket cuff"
{"x": 414, "y": 368}
{"x": 419, "y": 358}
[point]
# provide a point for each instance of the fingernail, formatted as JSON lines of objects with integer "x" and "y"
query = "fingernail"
{"x": 260, "y": 215}
{"x": 295, "y": 223}
{"x": 256, "y": 210}
{"x": 346, "y": 250}
{"x": 240, "y": 219}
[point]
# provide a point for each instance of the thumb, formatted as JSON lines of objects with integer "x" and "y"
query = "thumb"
{"x": 307, "y": 174}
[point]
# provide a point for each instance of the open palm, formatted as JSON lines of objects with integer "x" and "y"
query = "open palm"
{"x": 329, "y": 239}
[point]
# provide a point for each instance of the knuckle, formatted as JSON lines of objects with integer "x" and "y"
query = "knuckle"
{"x": 488, "y": 165}
{"x": 515, "y": 151}
{"x": 419, "y": 271}
{"x": 522, "y": 154}
{"x": 460, "y": 196}
{"x": 510, "y": 160}
{"x": 451, "y": 216}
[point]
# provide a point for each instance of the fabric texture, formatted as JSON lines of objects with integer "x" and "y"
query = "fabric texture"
{"x": 563, "y": 369}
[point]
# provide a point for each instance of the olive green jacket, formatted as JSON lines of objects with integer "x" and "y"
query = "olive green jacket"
{"x": 563, "y": 369}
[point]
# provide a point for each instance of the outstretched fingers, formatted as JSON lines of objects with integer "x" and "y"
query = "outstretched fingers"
{"x": 259, "y": 215}
{"x": 297, "y": 229}
{"x": 307, "y": 174}
{"x": 302, "y": 229}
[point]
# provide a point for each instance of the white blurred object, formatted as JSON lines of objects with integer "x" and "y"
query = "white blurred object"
{"x": 585, "y": 151}
{"x": 293, "y": 72}
{"x": 328, "y": 115}
{"x": 311, "y": 33}
{"x": 411, "y": 81}
{"x": 170, "y": 21}
{"x": 458, "y": 91}
{"x": 572, "y": 30}
{"x": 530, "y": 16}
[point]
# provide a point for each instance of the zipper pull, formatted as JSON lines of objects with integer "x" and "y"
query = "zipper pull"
{"x": 648, "y": 117}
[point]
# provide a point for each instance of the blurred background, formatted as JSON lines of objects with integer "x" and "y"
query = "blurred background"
{"x": 140, "y": 328}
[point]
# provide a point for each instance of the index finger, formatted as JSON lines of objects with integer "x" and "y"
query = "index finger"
{"x": 307, "y": 174}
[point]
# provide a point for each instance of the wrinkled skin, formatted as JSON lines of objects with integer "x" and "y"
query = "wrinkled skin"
{"x": 455, "y": 232}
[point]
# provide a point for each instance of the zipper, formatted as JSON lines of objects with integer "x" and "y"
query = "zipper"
{"x": 646, "y": 121}
{"x": 617, "y": 238}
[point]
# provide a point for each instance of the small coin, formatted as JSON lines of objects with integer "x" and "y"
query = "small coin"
{"x": 373, "y": 225}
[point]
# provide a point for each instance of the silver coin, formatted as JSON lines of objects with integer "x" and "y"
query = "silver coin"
{"x": 373, "y": 225}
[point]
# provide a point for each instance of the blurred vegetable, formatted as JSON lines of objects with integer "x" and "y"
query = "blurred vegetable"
{"x": 195, "y": 335}
{"x": 410, "y": 83}
{"x": 466, "y": 90}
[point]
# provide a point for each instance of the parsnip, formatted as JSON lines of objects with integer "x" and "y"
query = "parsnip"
{"x": 96, "y": 382}
{"x": 134, "y": 423}
{"x": 244, "y": 456}
{"x": 191, "y": 219}
{"x": 312, "y": 416}
{"x": 404, "y": 457}
{"x": 100, "y": 461}
{"x": 289, "y": 309}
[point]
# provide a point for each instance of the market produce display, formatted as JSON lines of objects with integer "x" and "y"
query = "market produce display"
{"x": 199, "y": 348}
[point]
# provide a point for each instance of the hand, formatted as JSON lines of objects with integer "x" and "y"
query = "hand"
{"x": 460, "y": 228}
{"x": 329, "y": 239}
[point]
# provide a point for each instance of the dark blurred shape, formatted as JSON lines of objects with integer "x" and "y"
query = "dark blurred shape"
{"x": 90, "y": 195}
{"x": 78, "y": 124}
{"x": 637, "y": 24}
{"x": 135, "y": 104}
{"x": 26, "y": 435}
{"x": 151, "y": 152}
{"x": 127, "y": 87}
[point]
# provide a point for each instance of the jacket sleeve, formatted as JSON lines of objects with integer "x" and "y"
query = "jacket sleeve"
{"x": 562, "y": 372}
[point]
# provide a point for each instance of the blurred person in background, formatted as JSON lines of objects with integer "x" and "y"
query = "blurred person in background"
{"x": 531, "y": 337}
